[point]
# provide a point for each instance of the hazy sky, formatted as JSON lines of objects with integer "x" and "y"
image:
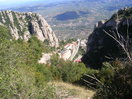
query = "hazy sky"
{"x": 13, "y": 3}
{"x": 5, "y": 2}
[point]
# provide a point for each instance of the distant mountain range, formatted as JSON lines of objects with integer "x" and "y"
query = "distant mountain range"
{"x": 75, "y": 18}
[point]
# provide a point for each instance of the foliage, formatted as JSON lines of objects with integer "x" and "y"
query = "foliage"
{"x": 20, "y": 74}
{"x": 113, "y": 42}
{"x": 44, "y": 71}
{"x": 120, "y": 86}
{"x": 4, "y": 33}
{"x": 20, "y": 82}
{"x": 95, "y": 79}
{"x": 123, "y": 13}
{"x": 106, "y": 73}
{"x": 67, "y": 70}
{"x": 22, "y": 77}
{"x": 63, "y": 42}
{"x": 72, "y": 72}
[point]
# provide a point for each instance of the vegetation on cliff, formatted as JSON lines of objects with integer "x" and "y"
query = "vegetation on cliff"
{"x": 111, "y": 40}
{"x": 109, "y": 49}
{"x": 22, "y": 77}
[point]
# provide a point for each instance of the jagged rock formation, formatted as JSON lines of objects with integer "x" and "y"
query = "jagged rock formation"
{"x": 24, "y": 25}
{"x": 110, "y": 40}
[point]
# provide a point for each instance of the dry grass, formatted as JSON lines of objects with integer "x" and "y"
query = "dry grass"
{"x": 69, "y": 91}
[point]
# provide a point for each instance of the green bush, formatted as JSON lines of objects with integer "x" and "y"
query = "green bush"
{"x": 45, "y": 71}
{"x": 21, "y": 83}
{"x": 72, "y": 72}
{"x": 20, "y": 74}
{"x": 119, "y": 86}
{"x": 22, "y": 77}
{"x": 94, "y": 79}
{"x": 67, "y": 70}
{"x": 4, "y": 33}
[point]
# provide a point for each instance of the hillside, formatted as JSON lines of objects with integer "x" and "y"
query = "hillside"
{"x": 70, "y": 91}
{"x": 21, "y": 74}
{"x": 35, "y": 65}
{"x": 24, "y": 25}
{"x": 110, "y": 40}
{"x": 22, "y": 77}
{"x": 83, "y": 23}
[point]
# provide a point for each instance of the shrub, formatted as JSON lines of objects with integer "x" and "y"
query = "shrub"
{"x": 119, "y": 87}
{"x": 44, "y": 71}
{"x": 96, "y": 78}
{"x": 4, "y": 33}
{"x": 20, "y": 74}
{"x": 72, "y": 72}
{"x": 67, "y": 70}
{"x": 22, "y": 82}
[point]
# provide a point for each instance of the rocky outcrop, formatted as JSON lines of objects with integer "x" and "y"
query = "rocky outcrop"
{"x": 24, "y": 25}
{"x": 45, "y": 59}
{"x": 103, "y": 44}
{"x": 100, "y": 23}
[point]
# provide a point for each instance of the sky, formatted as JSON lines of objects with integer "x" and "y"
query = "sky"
{"x": 5, "y": 2}
{"x": 14, "y": 3}
{"x": 11, "y": 3}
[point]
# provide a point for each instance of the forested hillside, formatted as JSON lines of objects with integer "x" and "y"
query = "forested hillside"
{"x": 103, "y": 73}
{"x": 22, "y": 77}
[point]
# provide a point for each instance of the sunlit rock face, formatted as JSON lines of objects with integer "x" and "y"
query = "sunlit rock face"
{"x": 24, "y": 25}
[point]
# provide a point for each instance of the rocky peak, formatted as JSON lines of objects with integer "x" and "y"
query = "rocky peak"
{"x": 24, "y": 25}
{"x": 100, "y": 23}
{"x": 101, "y": 44}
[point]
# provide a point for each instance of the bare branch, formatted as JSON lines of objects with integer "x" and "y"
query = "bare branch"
{"x": 121, "y": 44}
{"x": 127, "y": 31}
{"x": 88, "y": 82}
{"x": 90, "y": 86}
{"x": 94, "y": 78}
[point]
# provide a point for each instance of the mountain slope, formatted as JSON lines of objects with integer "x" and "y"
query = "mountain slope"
{"x": 24, "y": 25}
{"x": 110, "y": 40}
{"x": 77, "y": 26}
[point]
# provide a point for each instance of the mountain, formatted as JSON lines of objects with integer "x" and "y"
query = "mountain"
{"x": 24, "y": 25}
{"x": 67, "y": 21}
{"x": 110, "y": 40}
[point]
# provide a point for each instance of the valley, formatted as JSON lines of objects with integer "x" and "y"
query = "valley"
{"x": 76, "y": 19}
{"x": 66, "y": 49}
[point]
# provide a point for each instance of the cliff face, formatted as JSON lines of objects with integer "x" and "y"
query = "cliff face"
{"x": 24, "y": 25}
{"x": 102, "y": 46}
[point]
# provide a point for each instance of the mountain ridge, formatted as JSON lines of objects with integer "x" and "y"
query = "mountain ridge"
{"x": 110, "y": 40}
{"x": 26, "y": 24}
